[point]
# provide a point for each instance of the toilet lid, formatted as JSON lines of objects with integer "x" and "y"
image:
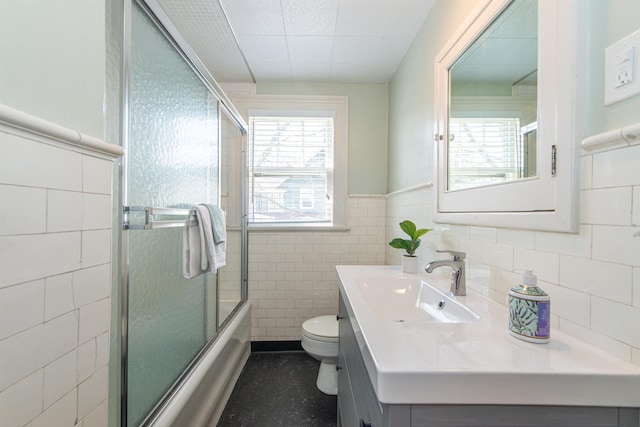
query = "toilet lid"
{"x": 323, "y": 326}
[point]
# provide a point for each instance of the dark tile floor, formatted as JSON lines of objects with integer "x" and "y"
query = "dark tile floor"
{"x": 278, "y": 389}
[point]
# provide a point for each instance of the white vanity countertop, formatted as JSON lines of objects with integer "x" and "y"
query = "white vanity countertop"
{"x": 478, "y": 362}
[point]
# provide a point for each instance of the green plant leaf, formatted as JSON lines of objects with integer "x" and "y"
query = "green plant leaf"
{"x": 401, "y": 244}
{"x": 421, "y": 232}
{"x": 409, "y": 245}
{"x": 408, "y": 227}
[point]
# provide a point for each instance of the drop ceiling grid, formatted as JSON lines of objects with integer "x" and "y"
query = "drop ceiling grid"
{"x": 203, "y": 25}
{"x": 310, "y": 18}
{"x": 301, "y": 40}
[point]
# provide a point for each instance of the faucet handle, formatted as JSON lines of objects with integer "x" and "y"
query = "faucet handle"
{"x": 455, "y": 255}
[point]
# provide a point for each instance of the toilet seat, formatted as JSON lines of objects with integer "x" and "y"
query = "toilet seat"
{"x": 322, "y": 328}
{"x": 319, "y": 338}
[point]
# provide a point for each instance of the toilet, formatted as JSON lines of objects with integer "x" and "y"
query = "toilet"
{"x": 320, "y": 340}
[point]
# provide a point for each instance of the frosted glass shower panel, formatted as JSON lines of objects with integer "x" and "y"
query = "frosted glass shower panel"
{"x": 173, "y": 150}
{"x": 230, "y": 277}
{"x": 172, "y": 161}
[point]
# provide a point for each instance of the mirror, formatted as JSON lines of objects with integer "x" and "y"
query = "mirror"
{"x": 509, "y": 115}
{"x": 493, "y": 102}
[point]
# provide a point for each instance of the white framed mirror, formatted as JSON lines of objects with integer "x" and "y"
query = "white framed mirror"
{"x": 508, "y": 109}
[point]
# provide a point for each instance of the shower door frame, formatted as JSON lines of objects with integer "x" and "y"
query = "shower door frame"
{"x": 182, "y": 47}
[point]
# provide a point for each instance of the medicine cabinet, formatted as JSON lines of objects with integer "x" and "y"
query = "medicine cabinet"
{"x": 508, "y": 107}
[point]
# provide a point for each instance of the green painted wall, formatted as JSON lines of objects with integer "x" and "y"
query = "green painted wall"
{"x": 411, "y": 100}
{"x": 53, "y": 61}
{"x": 411, "y": 94}
{"x": 367, "y": 162}
{"x": 610, "y": 21}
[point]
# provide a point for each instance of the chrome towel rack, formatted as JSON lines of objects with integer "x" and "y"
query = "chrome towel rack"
{"x": 149, "y": 222}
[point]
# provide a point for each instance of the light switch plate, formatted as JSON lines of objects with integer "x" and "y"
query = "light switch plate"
{"x": 622, "y": 69}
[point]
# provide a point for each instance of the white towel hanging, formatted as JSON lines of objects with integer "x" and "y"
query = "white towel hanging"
{"x": 200, "y": 252}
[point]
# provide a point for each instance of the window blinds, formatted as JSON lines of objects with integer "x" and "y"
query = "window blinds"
{"x": 291, "y": 169}
{"x": 483, "y": 151}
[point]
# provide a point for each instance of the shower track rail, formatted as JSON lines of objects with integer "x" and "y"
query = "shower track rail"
{"x": 189, "y": 217}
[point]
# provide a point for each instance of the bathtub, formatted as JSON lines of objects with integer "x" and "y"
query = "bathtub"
{"x": 205, "y": 391}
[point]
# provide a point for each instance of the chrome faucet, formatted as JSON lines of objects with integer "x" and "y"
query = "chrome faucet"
{"x": 458, "y": 281}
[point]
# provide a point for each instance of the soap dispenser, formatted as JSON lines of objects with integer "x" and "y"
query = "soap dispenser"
{"x": 529, "y": 310}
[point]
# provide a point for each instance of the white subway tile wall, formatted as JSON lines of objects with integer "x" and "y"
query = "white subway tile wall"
{"x": 21, "y": 307}
{"x": 593, "y": 277}
{"x": 61, "y": 413}
{"x": 292, "y": 275}
{"x": 60, "y": 376}
{"x": 64, "y": 211}
{"x": 30, "y": 163}
{"x": 23, "y": 401}
{"x": 55, "y": 258}
{"x": 33, "y": 256}
{"x": 31, "y": 218}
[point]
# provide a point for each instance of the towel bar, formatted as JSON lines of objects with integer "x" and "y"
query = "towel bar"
{"x": 150, "y": 212}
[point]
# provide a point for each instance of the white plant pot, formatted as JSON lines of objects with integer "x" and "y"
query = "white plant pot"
{"x": 409, "y": 264}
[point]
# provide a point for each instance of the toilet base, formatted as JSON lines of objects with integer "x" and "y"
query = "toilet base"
{"x": 327, "y": 381}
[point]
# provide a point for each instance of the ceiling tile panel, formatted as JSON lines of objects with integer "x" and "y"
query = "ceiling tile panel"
{"x": 407, "y": 17}
{"x": 264, "y": 48}
{"x": 271, "y": 71}
{"x": 356, "y": 73}
{"x": 316, "y": 40}
{"x": 355, "y": 49}
{"x": 310, "y": 71}
{"x": 255, "y": 17}
{"x": 310, "y": 18}
{"x": 310, "y": 48}
{"x": 363, "y": 17}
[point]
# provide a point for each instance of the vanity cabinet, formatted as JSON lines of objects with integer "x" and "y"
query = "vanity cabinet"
{"x": 358, "y": 405}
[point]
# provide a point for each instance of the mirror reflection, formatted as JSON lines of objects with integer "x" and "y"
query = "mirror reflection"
{"x": 493, "y": 102}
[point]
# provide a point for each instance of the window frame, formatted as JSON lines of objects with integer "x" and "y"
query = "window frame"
{"x": 306, "y": 106}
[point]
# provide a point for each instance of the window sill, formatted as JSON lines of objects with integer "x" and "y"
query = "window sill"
{"x": 298, "y": 228}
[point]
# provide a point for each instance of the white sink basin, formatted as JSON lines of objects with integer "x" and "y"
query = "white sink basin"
{"x": 442, "y": 307}
{"x": 415, "y": 353}
{"x": 405, "y": 299}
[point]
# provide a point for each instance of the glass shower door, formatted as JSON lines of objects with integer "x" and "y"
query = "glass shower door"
{"x": 230, "y": 277}
{"x": 172, "y": 162}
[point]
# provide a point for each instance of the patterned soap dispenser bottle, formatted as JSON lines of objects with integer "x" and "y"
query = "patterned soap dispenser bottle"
{"x": 529, "y": 310}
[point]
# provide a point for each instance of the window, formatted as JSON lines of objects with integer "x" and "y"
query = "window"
{"x": 291, "y": 169}
{"x": 296, "y": 160}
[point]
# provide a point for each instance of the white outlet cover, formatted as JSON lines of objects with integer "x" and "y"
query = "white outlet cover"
{"x": 622, "y": 56}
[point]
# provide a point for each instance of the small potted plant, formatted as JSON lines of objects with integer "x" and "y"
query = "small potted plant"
{"x": 410, "y": 260}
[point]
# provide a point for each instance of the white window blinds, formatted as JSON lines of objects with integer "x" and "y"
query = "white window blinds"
{"x": 483, "y": 151}
{"x": 291, "y": 169}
